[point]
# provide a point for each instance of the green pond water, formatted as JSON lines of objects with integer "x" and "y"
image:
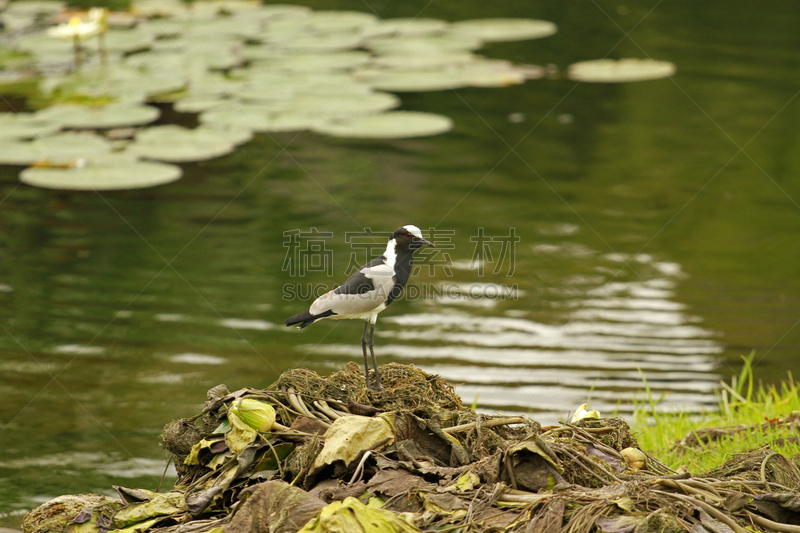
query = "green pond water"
{"x": 633, "y": 229}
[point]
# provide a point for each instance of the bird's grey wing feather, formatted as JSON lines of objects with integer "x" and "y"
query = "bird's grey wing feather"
{"x": 354, "y": 299}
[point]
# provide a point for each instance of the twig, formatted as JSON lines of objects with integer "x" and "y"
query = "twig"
{"x": 485, "y": 424}
{"x": 710, "y": 509}
{"x": 764, "y": 467}
{"x": 164, "y": 474}
{"x": 275, "y": 454}
{"x": 360, "y": 468}
{"x": 677, "y": 485}
{"x": 769, "y": 524}
{"x": 523, "y": 498}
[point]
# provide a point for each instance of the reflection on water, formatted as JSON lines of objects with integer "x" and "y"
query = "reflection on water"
{"x": 608, "y": 338}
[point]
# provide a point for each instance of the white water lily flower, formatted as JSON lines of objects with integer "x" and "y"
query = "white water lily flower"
{"x": 76, "y": 29}
{"x": 100, "y": 16}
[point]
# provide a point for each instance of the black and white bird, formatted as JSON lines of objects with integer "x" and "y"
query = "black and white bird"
{"x": 369, "y": 291}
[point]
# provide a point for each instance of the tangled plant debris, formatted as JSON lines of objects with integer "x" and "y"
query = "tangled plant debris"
{"x": 327, "y": 454}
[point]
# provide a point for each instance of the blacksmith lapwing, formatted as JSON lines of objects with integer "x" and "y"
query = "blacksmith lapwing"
{"x": 368, "y": 291}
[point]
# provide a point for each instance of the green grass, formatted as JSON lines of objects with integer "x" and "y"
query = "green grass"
{"x": 743, "y": 402}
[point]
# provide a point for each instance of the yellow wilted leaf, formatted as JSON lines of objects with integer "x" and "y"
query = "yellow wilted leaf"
{"x": 352, "y": 516}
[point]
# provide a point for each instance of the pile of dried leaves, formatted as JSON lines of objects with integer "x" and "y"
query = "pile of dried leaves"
{"x": 316, "y": 454}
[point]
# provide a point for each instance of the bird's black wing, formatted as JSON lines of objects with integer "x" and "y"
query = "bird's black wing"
{"x": 358, "y": 283}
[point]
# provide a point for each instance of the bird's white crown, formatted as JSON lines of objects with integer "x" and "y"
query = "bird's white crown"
{"x": 413, "y": 230}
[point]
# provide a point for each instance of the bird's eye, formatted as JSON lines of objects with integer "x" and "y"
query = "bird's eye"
{"x": 409, "y": 236}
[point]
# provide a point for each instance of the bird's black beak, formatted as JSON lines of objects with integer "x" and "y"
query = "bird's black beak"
{"x": 420, "y": 241}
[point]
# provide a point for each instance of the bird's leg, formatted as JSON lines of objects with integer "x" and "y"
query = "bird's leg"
{"x": 378, "y": 385}
{"x": 364, "y": 349}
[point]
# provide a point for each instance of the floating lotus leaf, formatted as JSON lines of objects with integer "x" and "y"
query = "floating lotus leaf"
{"x": 268, "y": 95}
{"x": 622, "y": 70}
{"x": 317, "y": 62}
{"x": 37, "y": 7}
{"x": 285, "y": 29}
{"x": 285, "y": 11}
{"x": 208, "y": 83}
{"x": 58, "y": 149}
{"x": 233, "y": 134}
{"x": 176, "y": 144}
{"x": 198, "y": 103}
{"x": 390, "y": 125}
{"x": 128, "y": 40}
{"x": 211, "y": 9}
{"x": 18, "y": 21}
{"x": 44, "y": 46}
{"x": 119, "y": 83}
{"x": 498, "y": 73}
{"x": 497, "y": 30}
{"x": 112, "y": 173}
{"x": 224, "y": 27}
{"x": 415, "y": 80}
{"x": 249, "y": 116}
{"x": 340, "y": 21}
{"x": 322, "y": 42}
{"x": 159, "y": 8}
{"x": 259, "y": 52}
{"x": 256, "y": 119}
{"x": 425, "y": 44}
{"x": 424, "y": 61}
{"x": 411, "y": 27}
{"x": 168, "y": 133}
{"x": 271, "y": 86}
{"x": 110, "y": 116}
{"x": 344, "y": 104}
{"x": 183, "y": 55}
{"x": 24, "y": 126}
{"x": 161, "y": 28}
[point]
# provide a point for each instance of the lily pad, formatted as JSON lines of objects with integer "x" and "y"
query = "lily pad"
{"x": 118, "y": 83}
{"x": 127, "y": 40}
{"x": 321, "y": 42}
{"x": 159, "y": 8}
{"x": 424, "y": 61}
{"x": 390, "y": 125}
{"x": 112, "y": 173}
{"x": 59, "y": 149}
{"x": 498, "y": 30}
{"x": 198, "y": 103}
{"x": 414, "y": 80}
{"x": 257, "y": 118}
{"x": 110, "y": 116}
{"x": 425, "y": 44}
{"x": 284, "y": 11}
{"x": 340, "y": 21}
{"x": 618, "y": 71}
{"x": 316, "y": 62}
{"x": 407, "y": 26}
{"x": 15, "y": 126}
{"x": 336, "y": 105}
{"x": 215, "y": 8}
{"x": 498, "y": 73}
{"x": 45, "y": 47}
{"x": 38, "y": 7}
{"x": 176, "y": 144}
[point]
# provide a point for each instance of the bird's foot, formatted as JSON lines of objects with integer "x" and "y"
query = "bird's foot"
{"x": 376, "y": 386}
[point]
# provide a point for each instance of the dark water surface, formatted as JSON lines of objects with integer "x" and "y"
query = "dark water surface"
{"x": 658, "y": 231}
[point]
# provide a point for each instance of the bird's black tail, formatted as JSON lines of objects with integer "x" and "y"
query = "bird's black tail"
{"x": 306, "y": 318}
